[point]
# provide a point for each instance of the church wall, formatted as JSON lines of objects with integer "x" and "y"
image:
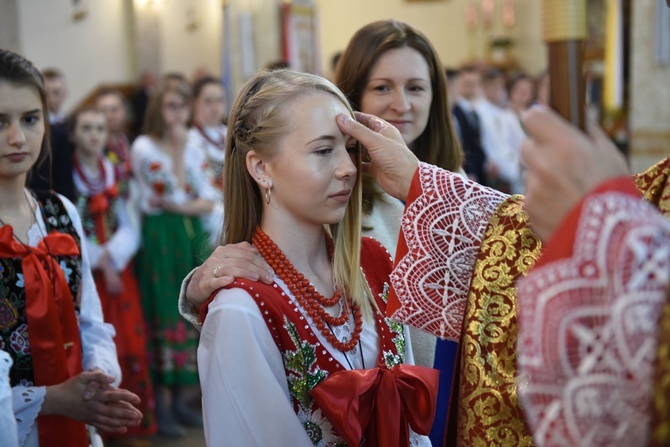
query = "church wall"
{"x": 442, "y": 21}
{"x": 650, "y": 92}
{"x": 190, "y": 35}
{"x": 87, "y": 51}
{"x": 106, "y": 46}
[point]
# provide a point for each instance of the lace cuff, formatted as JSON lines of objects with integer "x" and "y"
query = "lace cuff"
{"x": 185, "y": 309}
{"x": 442, "y": 229}
{"x": 588, "y": 327}
{"x": 27, "y": 402}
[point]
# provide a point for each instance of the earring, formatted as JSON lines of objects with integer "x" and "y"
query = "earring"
{"x": 268, "y": 195}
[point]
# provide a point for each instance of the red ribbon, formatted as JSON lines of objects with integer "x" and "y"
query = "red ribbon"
{"x": 53, "y": 333}
{"x": 379, "y": 403}
{"x": 98, "y": 205}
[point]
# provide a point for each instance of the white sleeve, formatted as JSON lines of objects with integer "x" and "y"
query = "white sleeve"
{"x": 185, "y": 308}
{"x": 245, "y": 394}
{"x": 125, "y": 242}
{"x": 94, "y": 251}
{"x": 26, "y": 403}
{"x": 497, "y": 147}
{"x": 99, "y": 350}
{"x": 197, "y": 163}
{"x": 8, "y": 427}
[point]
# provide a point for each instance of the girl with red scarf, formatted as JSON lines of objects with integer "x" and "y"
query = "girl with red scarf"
{"x": 64, "y": 371}
{"x": 111, "y": 241}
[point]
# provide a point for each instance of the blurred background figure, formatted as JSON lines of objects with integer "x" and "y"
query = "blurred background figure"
{"x": 175, "y": 193}
{"x": 208, "y": 134}
{"x": 56, "y": 88}
{"x": 53, "y": 171}
{"x": 502, "y": 160}
{"x": 112, "y": 242}
{"x": 140, "y": 99}
{"x": 542, "y": 88}
{"x": 468, "y": 89}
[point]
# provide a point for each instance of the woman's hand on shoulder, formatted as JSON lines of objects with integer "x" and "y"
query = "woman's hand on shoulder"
{"x": 241, "y": 260}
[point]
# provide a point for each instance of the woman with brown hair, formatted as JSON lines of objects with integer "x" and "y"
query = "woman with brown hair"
{"x": 174, "y": 194}
{"x": 65, "y": 370}
{"x": 389, "y": 69}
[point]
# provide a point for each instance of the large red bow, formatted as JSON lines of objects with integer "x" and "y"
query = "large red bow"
{"x": 379, "y": 403}
{"x": 53, "y": 333}
{"x": 99, "y": 206}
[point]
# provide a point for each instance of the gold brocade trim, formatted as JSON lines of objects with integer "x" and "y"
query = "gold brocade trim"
{"x": 654, "y": 184}
{"x": 489, "y": 413}
{"x": 660, "y": 423}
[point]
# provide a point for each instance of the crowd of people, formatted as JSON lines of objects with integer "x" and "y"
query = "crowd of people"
{"x": 292, "y": 308}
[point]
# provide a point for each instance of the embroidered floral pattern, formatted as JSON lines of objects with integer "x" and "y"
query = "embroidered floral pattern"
{"x": 18, "y": 341}
{"x": 8, "y": 314}
{"x": 391, "y": 358}
{"x": 319, "y": 429}
{"x": 489, "y": 412}
{"x": 158, "y": 177}
{"x": 13, "y": 324}
{"x": 301, "y": 365}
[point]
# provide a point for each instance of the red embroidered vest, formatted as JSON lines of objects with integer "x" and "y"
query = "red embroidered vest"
{"x": 306, "y": 362}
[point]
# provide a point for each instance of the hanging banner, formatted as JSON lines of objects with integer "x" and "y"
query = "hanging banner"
{"x": 300, "y": 43}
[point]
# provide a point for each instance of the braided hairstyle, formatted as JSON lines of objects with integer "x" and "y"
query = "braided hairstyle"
{"x": 257, "y": 123}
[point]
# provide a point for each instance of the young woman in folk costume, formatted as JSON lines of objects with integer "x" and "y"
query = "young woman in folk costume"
{"x": 280, "y": 363}
{"x": 112, "y": 242}
{"x": 64, "y": 360}
{"x": 174, "y": 194}
{"x": 208, "y": 133}
{"x": 391, "y": 70}
{"x": 117, "y": 147}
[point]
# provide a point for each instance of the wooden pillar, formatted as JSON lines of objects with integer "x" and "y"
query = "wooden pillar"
{"x": 565, "y": 32}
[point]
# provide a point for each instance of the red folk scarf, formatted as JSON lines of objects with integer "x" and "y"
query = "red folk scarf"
{"x": 99, "y": 199}
{"x": 53, "y": 334}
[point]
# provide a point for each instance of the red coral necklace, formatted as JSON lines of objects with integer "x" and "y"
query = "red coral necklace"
{"x": 308, "y": 297}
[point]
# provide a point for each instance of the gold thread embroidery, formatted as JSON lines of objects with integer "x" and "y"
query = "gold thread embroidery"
{"x": 489, "y": 411}
{"x": 654, "y": 184}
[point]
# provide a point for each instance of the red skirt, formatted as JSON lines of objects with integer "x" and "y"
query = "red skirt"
{"x": 124, "y": 312}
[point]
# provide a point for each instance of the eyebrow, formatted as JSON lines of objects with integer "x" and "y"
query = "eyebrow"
{"x": 30, "y": 112}
{"x": 322, "y": 137}
{"x": 390, "y": 80}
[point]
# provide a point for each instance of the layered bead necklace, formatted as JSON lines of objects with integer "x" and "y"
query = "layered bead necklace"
{"x": 307, "y": 296}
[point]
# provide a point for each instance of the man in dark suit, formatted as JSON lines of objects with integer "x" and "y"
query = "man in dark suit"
{"x": 54, "y": 171}
{"x": 469, "y": 125}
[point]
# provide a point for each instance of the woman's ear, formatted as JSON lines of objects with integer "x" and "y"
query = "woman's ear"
{"x": 258, "y": 170}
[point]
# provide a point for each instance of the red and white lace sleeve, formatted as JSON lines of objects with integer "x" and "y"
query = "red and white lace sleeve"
{"x": 588, "y": 322}
{"x": 442, "y": 228}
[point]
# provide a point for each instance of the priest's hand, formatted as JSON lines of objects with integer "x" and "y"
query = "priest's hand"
{"x": 392, "y": 163}
{"x": 563, "y": 164}
{"x": 241, "y": 260}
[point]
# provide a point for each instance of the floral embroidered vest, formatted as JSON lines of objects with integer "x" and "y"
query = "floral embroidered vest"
{"x": 13, "y": 321}
{"x": 306, "y": 362}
